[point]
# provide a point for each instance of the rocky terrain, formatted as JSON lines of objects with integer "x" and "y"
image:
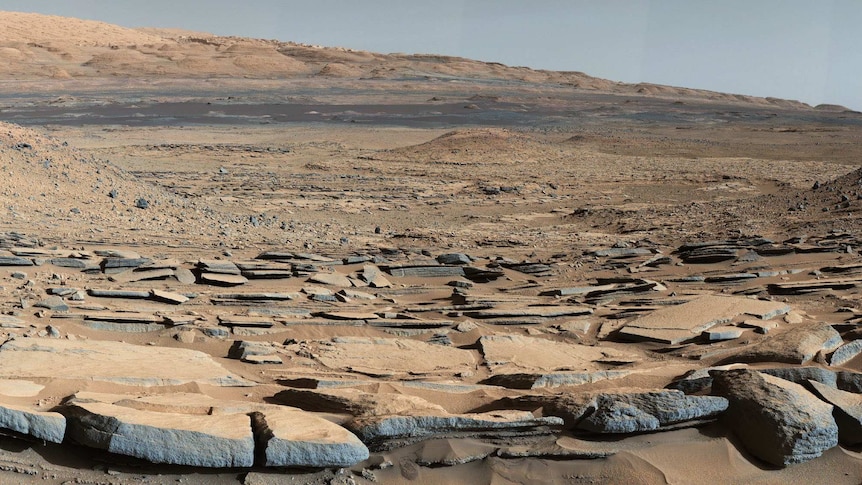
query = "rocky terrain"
{"x": 320, "y": 265}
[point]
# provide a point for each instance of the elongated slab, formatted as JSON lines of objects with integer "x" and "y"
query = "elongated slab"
{"x": 118, "y": 362}
{"x": 223, "y": 441}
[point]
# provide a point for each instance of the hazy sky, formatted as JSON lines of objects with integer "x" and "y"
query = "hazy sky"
{"x": 810, "y": 50}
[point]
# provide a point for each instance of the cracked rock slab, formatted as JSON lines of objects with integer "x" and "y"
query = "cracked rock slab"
{"x": 223, "y": 441}
{"x": 682, "y": 323}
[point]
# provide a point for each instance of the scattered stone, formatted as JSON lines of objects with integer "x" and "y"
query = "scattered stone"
{"x": 131, "y": 276}
{"x": 132, "y": 294}
{"x": 168, "y": 297}
{"x": 776, "y": 420}
{"x": 19, "y": 275}
{"x": 333, "y": 279}
{"x": 184, "y": 276}
{"x": 760, "y": 326}
{"x": 716, "y": 334}
{"x": 53, "y": 303}
{"x": 142, "y": 203}
{"x": 222, "y": 279}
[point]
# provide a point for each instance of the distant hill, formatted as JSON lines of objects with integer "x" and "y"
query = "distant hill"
{"x": 34, "y": 46}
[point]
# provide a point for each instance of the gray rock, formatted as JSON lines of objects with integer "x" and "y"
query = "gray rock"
{"x": 648, "y": 411}
{"x": 801, "y": 375}
{"x": 847, "y": 411}
{"x": 46, "y": 426}
{"x": 776, "y": 420}
{"x": 624, "y": 410}
{"x": 133, "y": 294}
{"x": 53, "y": 303}
{"x": 846, "y": 353}
{"x": 523, "y": 380}
{"x": 68, "y": 262}
{"x": 142, "y": 203}
{"x": 849, "y": 381}
{"x": 290, "y": 437}
{"x": 795, "y": 346}
{"x": 184, "y": 276}
{"x": 425, "y": 271}
{"x": 715, "y": 334}
{"x": 381, "y": 432}
{"x": 454, "y": 258}
{"x": 622, "y": 252}
{"x": 242, "y": 349}
{"x": 334, "y": 279}
{"x": 222, "y": 441}
{"x": 15, "y": 261}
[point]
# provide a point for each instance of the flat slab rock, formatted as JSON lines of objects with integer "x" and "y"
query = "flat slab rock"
{"x": 513, "y": 353}
{"x": 387, "y": 356}
{"x": 284, "y": 436}
{"x": 117, "y": 362}
{"x": 47, "y": 426}
{"x": 379, "y": 432}
{"x": 682, "y": 323}
{"x": 291, "y": 437}
{"x": 795, "y": 346}
{"x": 223, "y": 441}
{"x": 776, "y": 420}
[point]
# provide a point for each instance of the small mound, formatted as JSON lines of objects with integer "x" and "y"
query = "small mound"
{"x": 832, "y": 108}
{"x": 497, "y": 145}
{"x": 48, "y": 185}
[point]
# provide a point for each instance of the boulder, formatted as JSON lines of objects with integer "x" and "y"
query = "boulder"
{"x": 776, "y": 420}
{"x": 624, "y": 410}
{"x": 648, "y": 411}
